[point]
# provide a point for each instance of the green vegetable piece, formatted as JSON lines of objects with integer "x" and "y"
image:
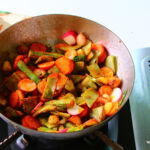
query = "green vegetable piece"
{"x": 88, "y": 83}
{"x": 69, "y": 125}
{"x": 44, "y": 109}
{"x": 94, "y": 70}
{"x": 11, "y": 112}
{"x": 123, "y": 97}
{"x": 44, "y": 129}
{"x": 77, "y": 128}
{"x": 70, "y": 86}
{"x": 62, "y": 114}
{"x": 79, "y": 66}
{"x": 66, "y": 101}
{"x": 79, "y": 58}
{"x": 22, "y": 66}
{"x": 43, "y": 58}
{"x": 3, "y": 101}
{"x": 87, "y": 48}
{"x": 12, "y": 82}
{"x": 80, "y": 101}
{"x": 36, "y": 54}
{"x": 50, "y": 88}
{"x": 54, "y": 69}
{"x": 90, "y": 95}
{"x": 111, "y": 62}
{"x": 29, "y": 103}
{"x": 94, "y": 80}
{"x": 98, "y": 113}
{"x": 94, "y": 60}
{"x": 77, "y": 78}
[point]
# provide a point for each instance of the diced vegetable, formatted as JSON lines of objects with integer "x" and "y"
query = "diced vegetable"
{"x": 53, "y": 119}
{"x": 7, "y": 66}
{"x": 38, "y": 47}
{"x": 18, "y": 58}
{"x": 63, "y": 120}
{"x": 69, "y": 86}
{"x": 61, "y": 128}
{"x": 44, "y": 129}
{"x": 41, "y": 86}
{"x": 70, "y": 37}
{"x": 95, "y": 57}
{"x": 114, "y": 81}
{"x": 87, "y": 48}
{"x": 79, "y": 58}
{"x": 79, "y": 66}
{"x": 80, "y": 101}
{"x": 98, "y": 113}
{"x": 50, "y": 88}
{"x": 76, "y": 128}
{"x": 81, "y": 39}
{"x": 111, "y": 62}
{"x": 69, "y": 125}
{"x": 84, "y": 112}
{"x": 54, "y": 69}
{"x": 77, "y": 78}
{"x": 75, "y": 120}
{"x": 75, "y": 110}
{"x": 22, "y": 66}
{"x": 30, "y": 122}
{"x": 116, "y": 95}
{"x": 65, "y": 65}
{"x": 44, "y": 109}
{"x": 114, "y": 109}
{"x": 71, "y": 54}
{"x": 46, "y": 65}
{"x": 39, "y": 72}
{"x": 37, "y": 54}
{"x": 105, "y": 89}
{"x": 107, "y": 107}
{"x": 27, "y": 85}
{"x": 12, "y": 113}
{"x": 90, "y": 56}
{"x": 90, "y": 95}
{"x": 29, "y": 103}
{"x": 66, "y": 47}
{"x": 80, "y": 52}
{"x": 62, "y": 114}
{"x": 90, "y": 122}
{"x": 102, "y": 52}
{"x": 94, "y": 70}
{"x": 107, "y": 72}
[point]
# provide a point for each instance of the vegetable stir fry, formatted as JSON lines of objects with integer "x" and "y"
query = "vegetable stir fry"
{"x": 67, "y": 89}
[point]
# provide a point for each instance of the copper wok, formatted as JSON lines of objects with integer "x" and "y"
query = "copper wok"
{"x": 48, "y": 29}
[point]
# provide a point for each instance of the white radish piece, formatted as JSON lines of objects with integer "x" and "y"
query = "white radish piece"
{"x": 70, "y": 37}
{"x": 81, "y": 39}
{"x": 75, "y": 110}
{"x": 116, "y": 95}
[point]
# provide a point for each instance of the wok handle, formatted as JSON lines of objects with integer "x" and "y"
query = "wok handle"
{"x": 108, "y": 141}
{"x": 10, "y": 139}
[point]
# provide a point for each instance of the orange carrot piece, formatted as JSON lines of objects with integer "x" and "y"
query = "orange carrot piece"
{"x": 21, "y": 96}
{"x": 38, "y": 47}
{"x": 39, "y": 72}
{"x": 90, "y": 122}
{"x": 108, "y": 107}
{"x": 30, "y": 122}
{"x": 71, "y": 54}
{"x": 84, "y": 112}
{"x": 65, "y": 65}
{"x": 18, "y": 58}
{"x": 107, "y": 72}
{"x": 14, "y": 99}
{"x": 75, "y": 120}
{"x": 114, "y": 109}
{"x": 54, "y": 75}
{"x": 46, "y": 65}
{"x": 41, "y": 86}
{"x": 21, "y": 74}
{"x": 100, "y": 48}
{"x": 27, "y": 85}
{"x": 114, "y": 81}
{"x": 105, "y": 89}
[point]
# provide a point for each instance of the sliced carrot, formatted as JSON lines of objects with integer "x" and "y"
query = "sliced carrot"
{"x": 100, "y": 48}
{"x": 54, "y": 75}
{"x": 114, "y": 109}
{"x": 22, "y": 49}
{"x": 84, "y": 112}
{"x": 71, "y": 54}
{"x": 21, "y": 96}
{"x": 75, "y": 120}
{"x": 30, "y": 122}
{"x": 105, "y": 89}
{"x": 41, "y": 86}
{"x": 46, "y": 65}
{"x": 114, "y": 81}
{"x": 14, "y": 99}
{"x": 65, "y": 65}
{"x": 27, "y": 85}
{"x": 107, "y": 72}
{"x": 38, "y": 47}
{"x": 18, "y": 58}
{"x": 107, "y": 107}
{"x": 21, "y": 74}
{"x": 90, "y": 122}
{"x": 39, "y": 72}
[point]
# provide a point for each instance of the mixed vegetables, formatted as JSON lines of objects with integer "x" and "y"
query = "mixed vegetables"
{"x": 68, "y": 88}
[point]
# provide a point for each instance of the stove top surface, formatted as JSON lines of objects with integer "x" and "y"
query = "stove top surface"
{"x": 125, "y": 137}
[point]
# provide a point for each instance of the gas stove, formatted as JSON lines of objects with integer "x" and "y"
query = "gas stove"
{"x": 119, "y": 129}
